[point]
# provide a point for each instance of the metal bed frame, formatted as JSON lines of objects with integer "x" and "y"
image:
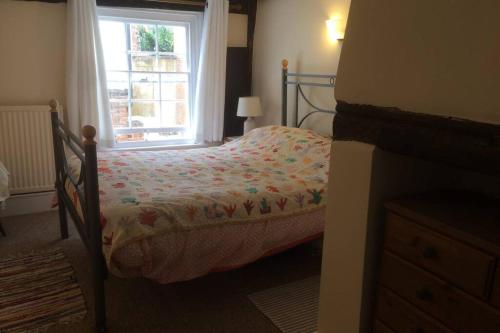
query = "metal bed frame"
{"x": 285, "y": 82}
{"x": 87, "y": 185}
{"x": 87, "y": 189}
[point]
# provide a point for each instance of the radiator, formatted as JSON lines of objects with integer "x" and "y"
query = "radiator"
{"x": 26, "y": 148}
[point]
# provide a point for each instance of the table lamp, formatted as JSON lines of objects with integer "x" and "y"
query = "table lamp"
{"x": 249, "y": 107}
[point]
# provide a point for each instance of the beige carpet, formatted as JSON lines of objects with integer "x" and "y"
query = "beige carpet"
{"x": 216, "y": 303}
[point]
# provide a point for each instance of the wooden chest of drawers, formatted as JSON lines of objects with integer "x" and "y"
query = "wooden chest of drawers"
{"x": 440, "y": 265}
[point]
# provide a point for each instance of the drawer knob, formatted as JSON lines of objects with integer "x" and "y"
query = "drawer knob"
{"x": 429, "y": 253}
{"x": 425, "y": 295}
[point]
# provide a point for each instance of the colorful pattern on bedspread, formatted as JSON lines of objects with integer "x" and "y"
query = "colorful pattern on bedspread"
{"x": 269, "y": 173}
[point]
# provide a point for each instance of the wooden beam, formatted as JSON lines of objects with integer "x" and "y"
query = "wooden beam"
{"x": 252, "y": 18}
{"x": 236, "y": 6}
{"x": 456, "y": 142}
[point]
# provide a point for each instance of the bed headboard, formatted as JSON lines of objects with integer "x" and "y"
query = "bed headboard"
{"x": 293, "y": 79}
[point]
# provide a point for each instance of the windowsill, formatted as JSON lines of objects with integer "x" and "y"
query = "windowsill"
{"x": 163, "y": 147}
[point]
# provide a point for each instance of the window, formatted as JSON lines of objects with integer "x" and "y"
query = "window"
{"x": 151, "y": 60}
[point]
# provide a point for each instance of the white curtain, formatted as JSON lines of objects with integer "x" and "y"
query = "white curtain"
{"x": 86, "y": 91}
{"x": 211, "y": 79}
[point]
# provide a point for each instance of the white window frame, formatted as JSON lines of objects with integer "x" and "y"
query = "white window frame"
{"x": 193, "y": 21}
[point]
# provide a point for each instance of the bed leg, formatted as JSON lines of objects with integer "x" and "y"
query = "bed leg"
{"x": 94, "y": 224}
{"x": 99, "y": 295}
{"x": 63, "y": 218}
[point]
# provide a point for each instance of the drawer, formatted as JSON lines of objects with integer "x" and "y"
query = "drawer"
{"x": 381, "y": 328}
{"x": 496, "y": 287}
{"x": 403, "y": 317}
{"x": 451, "y": 260}
{"x": 437, "y": 298}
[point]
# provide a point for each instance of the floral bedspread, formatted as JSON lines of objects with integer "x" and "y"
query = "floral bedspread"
{"x": 271, "y": 172}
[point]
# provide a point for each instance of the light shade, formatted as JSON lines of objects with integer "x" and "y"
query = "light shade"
{"x": 249, "y": 107}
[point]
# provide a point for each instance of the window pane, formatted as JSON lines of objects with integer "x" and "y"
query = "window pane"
{"x": 116, "y": 61}
{"x": 165, "y": 39}
{"x": 145, "y": 86}
{"x": 146, "y": 114}
{"x": 148, "y": 90}
{"x": 174, "y": 114}
{"x": 119, "y": 114}
{"x": 174, "y": 87}
{"x": 180, "y": 40}
{"x": 117, "y": 85}
{"x": 114, "y": 43}
{"x": 113, "y": 35}
{"x": 142, "y": 37}
{"x": 172, "y": 63}
{"x": 144, "y": 63}
{"x": 133, "y": 137}
{"x": 176, "y": 133}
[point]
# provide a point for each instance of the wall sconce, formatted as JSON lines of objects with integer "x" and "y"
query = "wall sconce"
{"x": 335, "y": 29}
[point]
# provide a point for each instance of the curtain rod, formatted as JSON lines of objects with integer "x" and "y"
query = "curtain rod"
{"x": 193, "y": 3}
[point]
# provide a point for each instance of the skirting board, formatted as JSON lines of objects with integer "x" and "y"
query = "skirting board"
{"x": 22, "y": 204}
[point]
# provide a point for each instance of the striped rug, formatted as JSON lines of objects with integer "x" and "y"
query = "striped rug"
{"x": 293, "y": 307}
{"x": 37, "y": 291}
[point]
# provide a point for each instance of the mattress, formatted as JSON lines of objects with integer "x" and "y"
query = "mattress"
{"x": 177, "y": 215}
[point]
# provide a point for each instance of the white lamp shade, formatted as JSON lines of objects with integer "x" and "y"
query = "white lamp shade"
{"x": 249, "y": 107}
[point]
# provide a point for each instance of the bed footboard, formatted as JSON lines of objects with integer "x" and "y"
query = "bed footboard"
{"x": 86, "y": 216}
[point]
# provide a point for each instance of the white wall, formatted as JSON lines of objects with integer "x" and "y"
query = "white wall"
{"x": 296, "y": 30}
{"x": 32, "y": 53}
{"x": 439, "y": 57}
{"x": 32, "y": 50}
{"x": 237, "y": 30}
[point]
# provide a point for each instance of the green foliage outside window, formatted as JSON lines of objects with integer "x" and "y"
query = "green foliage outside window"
{"x": 165, "y": 39}
{"x": 146, "y": 39}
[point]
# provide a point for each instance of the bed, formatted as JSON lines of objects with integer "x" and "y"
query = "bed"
{"x": 177, "y": 215}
